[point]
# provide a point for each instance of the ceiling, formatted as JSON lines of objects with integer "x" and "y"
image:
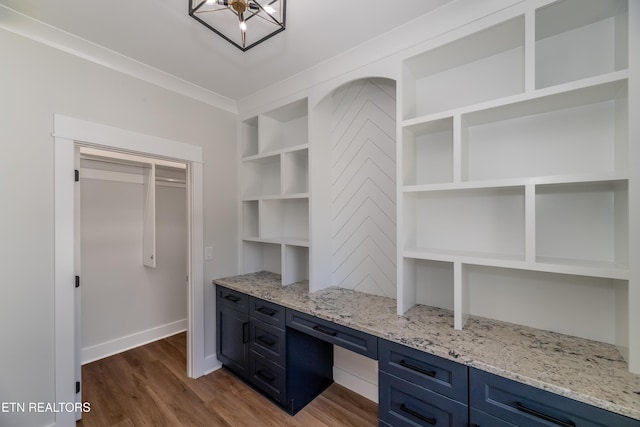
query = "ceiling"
{"x": 161, "y": 34}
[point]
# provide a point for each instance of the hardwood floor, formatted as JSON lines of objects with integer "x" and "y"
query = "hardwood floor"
{"x": 147, "y": 386}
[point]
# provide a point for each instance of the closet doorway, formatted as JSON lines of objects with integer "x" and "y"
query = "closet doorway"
{"x": 133, "y": 245}
{"x": 69, "y": 135}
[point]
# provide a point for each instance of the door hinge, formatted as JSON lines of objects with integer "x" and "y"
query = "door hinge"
{"x": 77, "y": 387}
{"x": 77, "y": 281}
{"x": 77, "y": 175}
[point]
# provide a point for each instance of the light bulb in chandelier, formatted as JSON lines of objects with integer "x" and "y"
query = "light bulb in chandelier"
{"x": 266, "y": 18}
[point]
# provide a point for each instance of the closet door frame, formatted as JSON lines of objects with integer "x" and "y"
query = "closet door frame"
{"x": 69, "y": 133}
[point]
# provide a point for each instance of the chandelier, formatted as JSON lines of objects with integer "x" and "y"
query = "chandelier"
{"x": 254, "y": 21}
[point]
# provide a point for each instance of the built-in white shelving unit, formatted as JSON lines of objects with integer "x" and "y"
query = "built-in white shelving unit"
{"x": 275, "y": 192}
{"x": 515, "y": 192}
{"x": 517, "y": 168}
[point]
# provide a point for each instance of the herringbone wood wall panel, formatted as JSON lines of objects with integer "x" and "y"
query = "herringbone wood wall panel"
{"x": 363, "y": 186}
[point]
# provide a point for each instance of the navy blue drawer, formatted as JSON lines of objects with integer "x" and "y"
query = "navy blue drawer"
{"x": 268, "y": 377}
{"x": 480, "y": 419}
{"x": 435, "y": 373}
{"x": 267, "y": 312}
{"x": 524, "y": 405}
{"x": 232, "y": 299}
{"x": 268, "y": 341}
{"x": 348, "y": 338}
{"x": 405, "y": 404}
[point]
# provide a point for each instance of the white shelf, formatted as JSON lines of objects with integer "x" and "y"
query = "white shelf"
{"x": 275, "y": 192}
{"x": 293, "y": 241}
{"x": 519, "y": 182}
{"x": 517, "y": 173}
{"x": 617, "y": 78}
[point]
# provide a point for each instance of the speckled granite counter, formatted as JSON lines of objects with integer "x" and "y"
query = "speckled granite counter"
{"x": 584, "y": 370}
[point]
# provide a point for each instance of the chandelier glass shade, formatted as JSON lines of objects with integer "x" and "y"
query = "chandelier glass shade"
{"x": 243, "y": 23}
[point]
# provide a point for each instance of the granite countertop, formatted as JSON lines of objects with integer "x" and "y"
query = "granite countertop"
{"x": 588, "y": 371}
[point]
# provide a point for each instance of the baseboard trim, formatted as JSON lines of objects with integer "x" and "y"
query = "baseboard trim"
{"x": 118, "y": 345}
{"x": 211, "y": 363}
{"x": 356, "y": 384}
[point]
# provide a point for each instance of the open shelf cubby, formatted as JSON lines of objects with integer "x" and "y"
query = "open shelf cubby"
{"x": 286, "y": 220}
{"x": 583, "y": 224}
{"x": 428, "y": 152}
{"x": 479, "y": 223}
{"x": 275, "y": 192}
{"x": 261, "y": 177}
{"x": 250, "y": 216}
{"x": 480, "y": 67}
{"x": 588, "y": 307}
{"x": 249, "y": 137}
{"x": 296, "y": 264}
{"x": 284, "y": 127}
{"x": 296, "y": 172}
{"x": 580, "y": 131}
{"x": 261, "y": 256}
{"x": 576, "y": 39}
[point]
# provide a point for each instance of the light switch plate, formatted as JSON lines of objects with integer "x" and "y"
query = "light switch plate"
{"x": 208, "y": 253}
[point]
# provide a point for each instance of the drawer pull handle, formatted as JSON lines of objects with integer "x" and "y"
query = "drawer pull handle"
{"x": 266, "y": 310}
{"x": 264, "y": 376}
{"x": 245, "y": 332}
{"x": 232, "y": 298}
{"x": 266, "y": 341}
{"x": 520, "y": 407}
{"x": 325, "y": 331}
{"x": 418, "y": 415}
{"x": 416, "y": 368}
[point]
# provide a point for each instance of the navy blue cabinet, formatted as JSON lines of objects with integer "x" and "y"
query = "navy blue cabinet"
{"x": 254, "y": 342}
{"x": 420, "y": 389}
{"x": 356, "y": 341}
{"x": 288, "y": 356}
{"x": 523, "y": 405}
{"x": 232, "y": 323}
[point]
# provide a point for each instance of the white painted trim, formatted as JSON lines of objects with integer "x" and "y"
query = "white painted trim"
{"x": 118, "y": 345}
{"x": 356, "y": 384}
{"x": 87, "y": 133}
{"x": 195, "y": 298}
{"x": 211, "y": 364}
{"x": 38, "y": 31}
{"x": 64, "y": 272}
{"x": 112, "y": 138}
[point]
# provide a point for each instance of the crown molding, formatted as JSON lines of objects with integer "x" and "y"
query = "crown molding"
{"x": 382, "y": 52}
{"x": 38, "y": 31}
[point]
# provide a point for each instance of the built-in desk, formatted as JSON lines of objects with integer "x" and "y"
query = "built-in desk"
{"x": 585, "y": 371}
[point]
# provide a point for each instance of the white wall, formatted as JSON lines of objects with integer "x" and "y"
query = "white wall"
{"x": 124, "y": 303}
{"x": 35, "y": 82}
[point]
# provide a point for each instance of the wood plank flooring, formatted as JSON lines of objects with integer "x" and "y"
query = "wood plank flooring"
{"x": 147, "y": 386}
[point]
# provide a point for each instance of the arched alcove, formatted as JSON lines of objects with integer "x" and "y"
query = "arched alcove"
{"x": 362, "y": 176}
